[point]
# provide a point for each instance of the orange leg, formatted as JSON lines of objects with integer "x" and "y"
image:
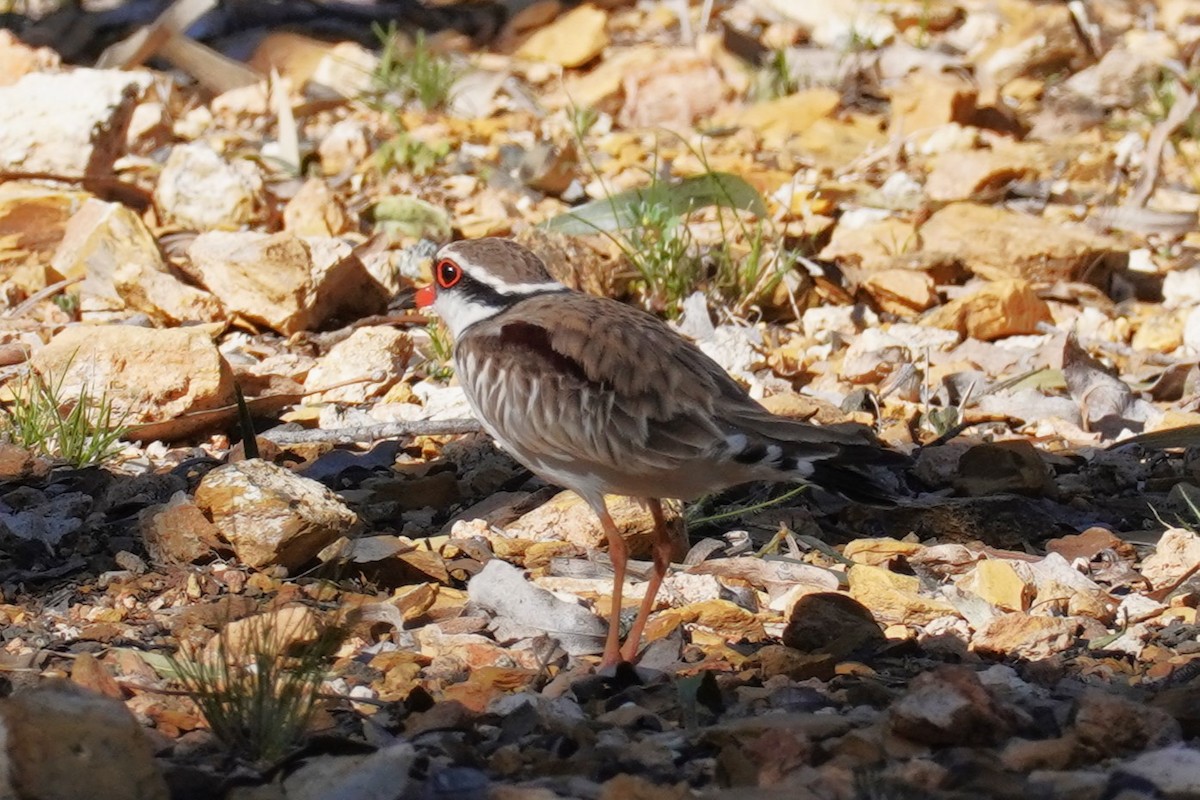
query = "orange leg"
{"x": 618, "y": 552}
{"x": 662, "y": 560}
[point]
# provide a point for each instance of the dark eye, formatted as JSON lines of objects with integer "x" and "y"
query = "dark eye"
{"x": 448, "y": 274}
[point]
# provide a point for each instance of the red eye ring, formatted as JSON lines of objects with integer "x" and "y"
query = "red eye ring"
{"x": 447, "y": 273}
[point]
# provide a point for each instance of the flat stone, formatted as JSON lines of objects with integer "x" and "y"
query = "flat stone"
{"x": 949, "y": 706}
{"x": 894, "y": 598}
{"x": 566, "y": 517}
{"x": 903, "y": 292}
{"x": 925, "y": 100}
{"x": 997, "y": 310}
{"x": 1019, "y": 635}
{"x": 963, "y": 176}
{"x": 1176, "y": 554}
{"x": 1001, "y": 584}
{"x": 998, "y": 243}
{"x": 378, "y": 353}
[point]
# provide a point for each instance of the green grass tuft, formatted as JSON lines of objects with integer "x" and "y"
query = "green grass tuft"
{"x": 415, "y": 73}
{"x": 81, "y": 430}
{"x": 258, "y": 690}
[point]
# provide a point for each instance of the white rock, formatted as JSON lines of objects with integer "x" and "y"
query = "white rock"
{"x": 503, "y": 589}
{"x": 68, "y": 123}
{"x": 1181, "y": 288}
{"x": 1174, "y": 770}
{"x": 200, "y": 189}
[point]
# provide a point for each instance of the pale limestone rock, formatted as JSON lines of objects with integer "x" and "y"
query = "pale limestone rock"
{"x": 32, "y": 221}
{"x": 344, "y": 147}
{"x": 871, "y": 244}
{"x": 950, "y": 705}
{"x": 379, "y": 353}
{"x": 149, "y": 374}
{"x": 314, "y": 211}
{"x": 780, "y": 119}
{"x": 110, "y": 246}
{"x": 1175, "y": 770}
{"x": 1020, "y": 635}
{"x": 903, "y": 292}
{"x": 199, "y": 188}
{"x": 682, "y": 87}
{"x": 18, "y": 60}
{"x": 506, "y": 592}
{"x": 1124, "y": 76}
{"x": 277, "y": 631}
{"x": 87, "y": 110}
{"x": 61, "y": 741}
{"x": 346, "y": 68}
{"x": 1177, "y": 554}
{"x": 282, "y": 281}
{"x": 270, "y": 515}
{"x": 925, "y": 101}
{"x": 961, "y": 176}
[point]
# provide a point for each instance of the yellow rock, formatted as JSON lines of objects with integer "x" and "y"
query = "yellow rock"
{"x": 999, "y": 582}
{"x": 876, "y": 552}
{"x": 901, "y": 291}
{"x": 874, "y": 246}
{"x": 572, "y": 40}
{"x": 999, "y": 309}
{"x": 894, "y": 598}
{"x": 1160, "y": 333}
{"x": 727, "y": 619}
{"x": 929, "y": 100}
{"x": 779, "y": 119}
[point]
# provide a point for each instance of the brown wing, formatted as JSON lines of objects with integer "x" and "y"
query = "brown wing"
{"x": 611, "y": 385}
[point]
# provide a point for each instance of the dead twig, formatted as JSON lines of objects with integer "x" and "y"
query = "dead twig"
{"x": 371, "y": 433}
{"x": 40, "y": 295}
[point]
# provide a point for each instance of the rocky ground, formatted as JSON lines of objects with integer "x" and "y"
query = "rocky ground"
{"x": 971, "y": 226}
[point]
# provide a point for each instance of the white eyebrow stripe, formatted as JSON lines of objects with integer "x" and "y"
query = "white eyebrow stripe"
{"x": 488, "y": 279}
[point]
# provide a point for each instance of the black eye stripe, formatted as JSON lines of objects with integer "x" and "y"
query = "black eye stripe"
{"x": 476, "y": 291}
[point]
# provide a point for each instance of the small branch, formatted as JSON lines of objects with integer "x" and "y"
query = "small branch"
{"x": 371, "y": 433}
{"x": 40, "y": 295}
{"x": 1185, "y": 104}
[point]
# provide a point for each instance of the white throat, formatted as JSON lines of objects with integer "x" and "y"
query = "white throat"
{"x": 460, "y": 313}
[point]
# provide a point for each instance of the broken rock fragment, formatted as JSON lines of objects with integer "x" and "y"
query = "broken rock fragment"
{"x": 270, "y": 515}
{"x": 282, "y": 281}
